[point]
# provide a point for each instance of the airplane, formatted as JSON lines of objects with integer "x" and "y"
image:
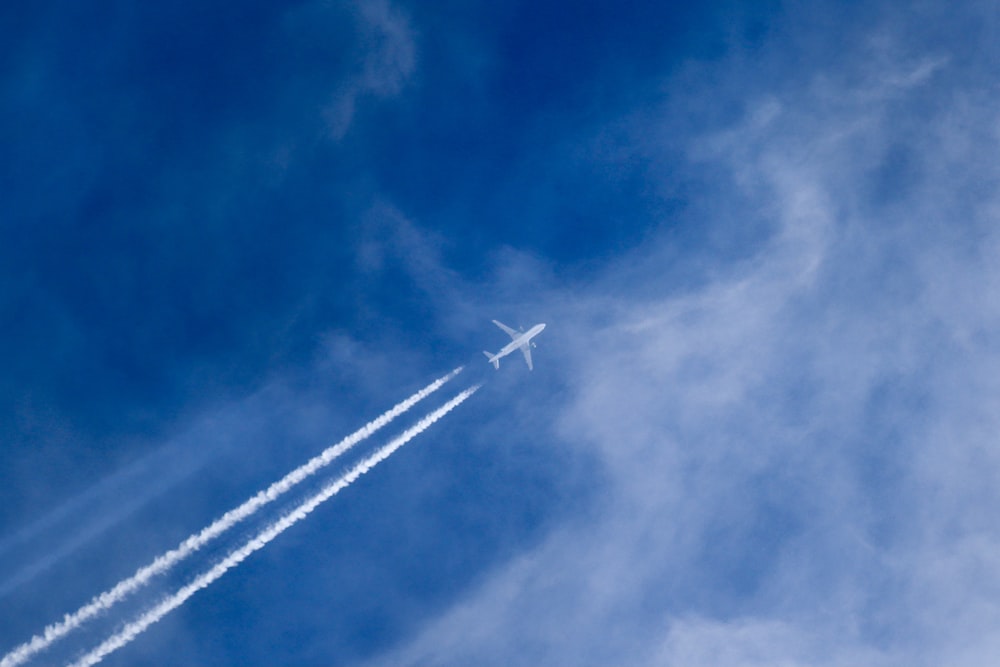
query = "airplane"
{"x": 518, "y": 339}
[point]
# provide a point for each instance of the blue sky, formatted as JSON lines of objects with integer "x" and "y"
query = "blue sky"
{"x": 761, "y": 428}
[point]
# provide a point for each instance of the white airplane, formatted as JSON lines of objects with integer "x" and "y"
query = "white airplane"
{"x": 518, "y": 339}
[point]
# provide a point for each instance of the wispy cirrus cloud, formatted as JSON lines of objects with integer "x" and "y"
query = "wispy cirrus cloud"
{"x": 389, "y": 60}
{"x": 799, "y": 446}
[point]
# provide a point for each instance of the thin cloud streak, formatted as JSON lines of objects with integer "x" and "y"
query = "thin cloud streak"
{"x": 164, "y": 562}
{"x": 135, "y": 628}
{"x": 90, "y": 514}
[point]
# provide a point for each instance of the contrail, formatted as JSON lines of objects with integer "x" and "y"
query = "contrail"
{"x": 136, "y": 627}
{"x": 162, "y": 563}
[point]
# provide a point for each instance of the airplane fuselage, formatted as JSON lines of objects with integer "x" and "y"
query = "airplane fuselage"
{"x": 520, "y": 340}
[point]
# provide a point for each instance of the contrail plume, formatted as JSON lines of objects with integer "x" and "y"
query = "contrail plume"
{"x": 162, "y": 563}
{"x": 154, "y": 614}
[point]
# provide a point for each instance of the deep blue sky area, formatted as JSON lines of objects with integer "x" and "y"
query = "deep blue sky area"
{"x": 760, "y": 428}
{"x": 152, "y": 235}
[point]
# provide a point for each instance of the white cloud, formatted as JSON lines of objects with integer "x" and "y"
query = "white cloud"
{"x": 800, "y": 452}
{"x": 389, "y": 48}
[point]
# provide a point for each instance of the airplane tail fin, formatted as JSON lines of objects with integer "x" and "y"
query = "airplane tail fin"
{"x": 492, "y": 360}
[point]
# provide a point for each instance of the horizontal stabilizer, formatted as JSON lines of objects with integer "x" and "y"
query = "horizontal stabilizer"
{"x": 493, "y": 360}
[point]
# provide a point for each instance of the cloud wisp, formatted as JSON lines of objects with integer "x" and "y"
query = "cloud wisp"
{"x": 91, "y": 513}
{"x": 154, "y": 614}
{"x": 798, "y": 448}
{"x": 164, "y": 562}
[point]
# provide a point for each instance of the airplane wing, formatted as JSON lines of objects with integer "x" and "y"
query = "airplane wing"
{"x": 510, "y": 332}
{"x": 526, "y": 348}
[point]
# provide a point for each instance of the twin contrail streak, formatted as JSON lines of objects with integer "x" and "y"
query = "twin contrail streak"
{"x": 154, "y": 614}
{"x": 162, "y": 563}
